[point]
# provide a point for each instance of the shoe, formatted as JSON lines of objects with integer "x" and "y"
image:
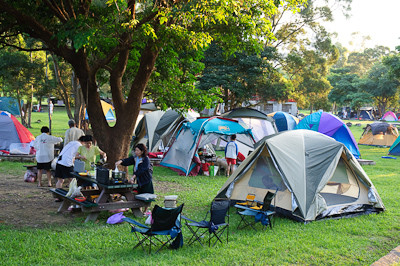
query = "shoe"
{"x": 58, "y": 200}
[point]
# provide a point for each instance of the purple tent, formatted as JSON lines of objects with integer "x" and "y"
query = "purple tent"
{"x": 331, "y": 126}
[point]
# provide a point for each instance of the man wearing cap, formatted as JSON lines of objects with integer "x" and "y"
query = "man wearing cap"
{"x": 73, "y": 133}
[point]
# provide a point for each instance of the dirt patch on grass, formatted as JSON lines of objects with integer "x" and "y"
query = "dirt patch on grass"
{"x": 25, "y": 204}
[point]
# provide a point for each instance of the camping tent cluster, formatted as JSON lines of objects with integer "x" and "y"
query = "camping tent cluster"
{"x": 157, "y": 129}
{"x": 314, "y": 175}
{"x": 12, "y": 131}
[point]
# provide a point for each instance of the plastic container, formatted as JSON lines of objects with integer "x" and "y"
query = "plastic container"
{"x": 170, "y": 201}
{"x": 19, "y": 148}
{"x": 79, "y": 166}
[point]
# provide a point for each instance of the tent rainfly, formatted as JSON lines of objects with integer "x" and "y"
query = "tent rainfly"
{"x": 379, "y": 134}
{"x": 284, "y": 121}
{"x": 12, "y": 131}
{"x": 389, "y": 116}
{"x": 331, "y": 126}
{"x": 260, "y": 124}
{"x": 156, "y": 129}
{"x": 314, "y": 175}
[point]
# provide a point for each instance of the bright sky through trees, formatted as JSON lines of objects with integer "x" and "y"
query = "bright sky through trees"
{"x": 380, "y": 20}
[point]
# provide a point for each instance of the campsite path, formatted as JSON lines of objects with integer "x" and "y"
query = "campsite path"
{"x": 24, "y": 204}
{"x": 393, "y": 258}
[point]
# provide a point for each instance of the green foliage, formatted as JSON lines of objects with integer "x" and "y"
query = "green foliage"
{"x": 382, "y": 86}
{"x": 393, "y": 63}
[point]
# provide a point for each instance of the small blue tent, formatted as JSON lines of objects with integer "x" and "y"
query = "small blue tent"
{"x": 10, "y": 105}
{"x": 201, "y": 132}
{"x": 331, "y": 126}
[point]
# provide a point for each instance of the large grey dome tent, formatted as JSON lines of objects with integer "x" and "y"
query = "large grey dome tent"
{"x": 315, "y": 175}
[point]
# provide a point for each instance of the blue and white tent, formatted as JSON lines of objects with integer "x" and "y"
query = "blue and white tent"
{"x": 201, "y": 132}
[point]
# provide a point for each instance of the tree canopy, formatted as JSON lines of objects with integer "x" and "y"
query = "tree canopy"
{"x": 125, "y": 40}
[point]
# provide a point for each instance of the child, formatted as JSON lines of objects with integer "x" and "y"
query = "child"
{"x": 231, "y": 153}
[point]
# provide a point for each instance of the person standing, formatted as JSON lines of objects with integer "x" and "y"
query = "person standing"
{"x": 231, "y": 153}
{"x": 65, "y": 163}
{"x": 88, "y": 152}
{"x": 142, "y": 172}
{"x": 73, "y": 133}
{"x": 44, "y": 145}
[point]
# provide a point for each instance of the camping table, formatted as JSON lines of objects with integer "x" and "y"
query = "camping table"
{"x": 104, "y": 201}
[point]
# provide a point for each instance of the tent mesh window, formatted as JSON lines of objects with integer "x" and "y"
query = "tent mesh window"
{"x": 271, "y": 178}
{"x": 342, "y": 187}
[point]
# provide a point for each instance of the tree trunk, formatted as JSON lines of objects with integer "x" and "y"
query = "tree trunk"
{"x": 79, "y": 109}
{"x": 64, "y": 91}
{"x": 115, "y": 141}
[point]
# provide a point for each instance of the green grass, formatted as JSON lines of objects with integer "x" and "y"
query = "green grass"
{"x": 353, "y": 241}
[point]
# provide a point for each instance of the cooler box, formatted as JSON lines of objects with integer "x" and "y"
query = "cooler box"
{"x": 170, "y": 201}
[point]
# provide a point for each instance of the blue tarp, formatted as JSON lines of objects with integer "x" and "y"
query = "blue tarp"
{"x": 10, "y": 105}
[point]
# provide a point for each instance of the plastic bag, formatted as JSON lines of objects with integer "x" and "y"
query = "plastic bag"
{"x": 29, "y": 176}
{"x": 149, "y": 219}
{"x": 72, "y": 188}
{"x": 116, "y": 218}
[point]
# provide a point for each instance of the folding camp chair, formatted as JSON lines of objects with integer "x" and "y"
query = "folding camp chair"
{"x": 261, "y": 213}
{"x": 166, "y": 222}
{"x": 215, "y": 227}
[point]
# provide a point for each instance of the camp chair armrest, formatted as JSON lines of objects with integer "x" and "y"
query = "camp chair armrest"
{"x": 187, "y": 219}
{"x": 133, "y": 222}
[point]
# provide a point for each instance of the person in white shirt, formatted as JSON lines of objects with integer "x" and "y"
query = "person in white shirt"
{"x": 231, "y": 153}
{"x": 44, "y": 145}
{"x": 66, "y": 159}
{"x": 73, "y": 133}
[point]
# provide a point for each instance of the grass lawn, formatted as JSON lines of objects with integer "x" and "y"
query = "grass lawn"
{"x": 353, "y": 241}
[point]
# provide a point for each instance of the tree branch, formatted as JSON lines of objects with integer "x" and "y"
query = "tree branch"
{"x": 56, "y": 10}
{"x": 24, "y": 49}
{"x": 71, "y": 10}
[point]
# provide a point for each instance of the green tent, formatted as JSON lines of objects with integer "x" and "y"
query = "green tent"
{"x": 315, "y": 177}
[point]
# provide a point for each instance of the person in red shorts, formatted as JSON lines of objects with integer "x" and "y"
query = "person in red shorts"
{"x": 231, "y": 153}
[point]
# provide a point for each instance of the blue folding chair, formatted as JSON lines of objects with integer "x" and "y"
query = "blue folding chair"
{"x": 166, "y": 225}
{"x": 252, "y": 215}
{"x": 215, "y": 227}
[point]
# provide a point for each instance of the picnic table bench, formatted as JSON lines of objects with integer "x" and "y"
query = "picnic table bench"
{"x": 104, "y": 201}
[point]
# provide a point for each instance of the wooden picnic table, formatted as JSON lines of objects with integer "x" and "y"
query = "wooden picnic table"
{"x": 104, "y": 200}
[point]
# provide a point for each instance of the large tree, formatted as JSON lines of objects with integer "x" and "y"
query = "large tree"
{"x": 382, "y": 86}
{"x": 116, "y": 36}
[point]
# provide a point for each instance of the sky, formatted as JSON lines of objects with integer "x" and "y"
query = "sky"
{"x": 379, "y": 19}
